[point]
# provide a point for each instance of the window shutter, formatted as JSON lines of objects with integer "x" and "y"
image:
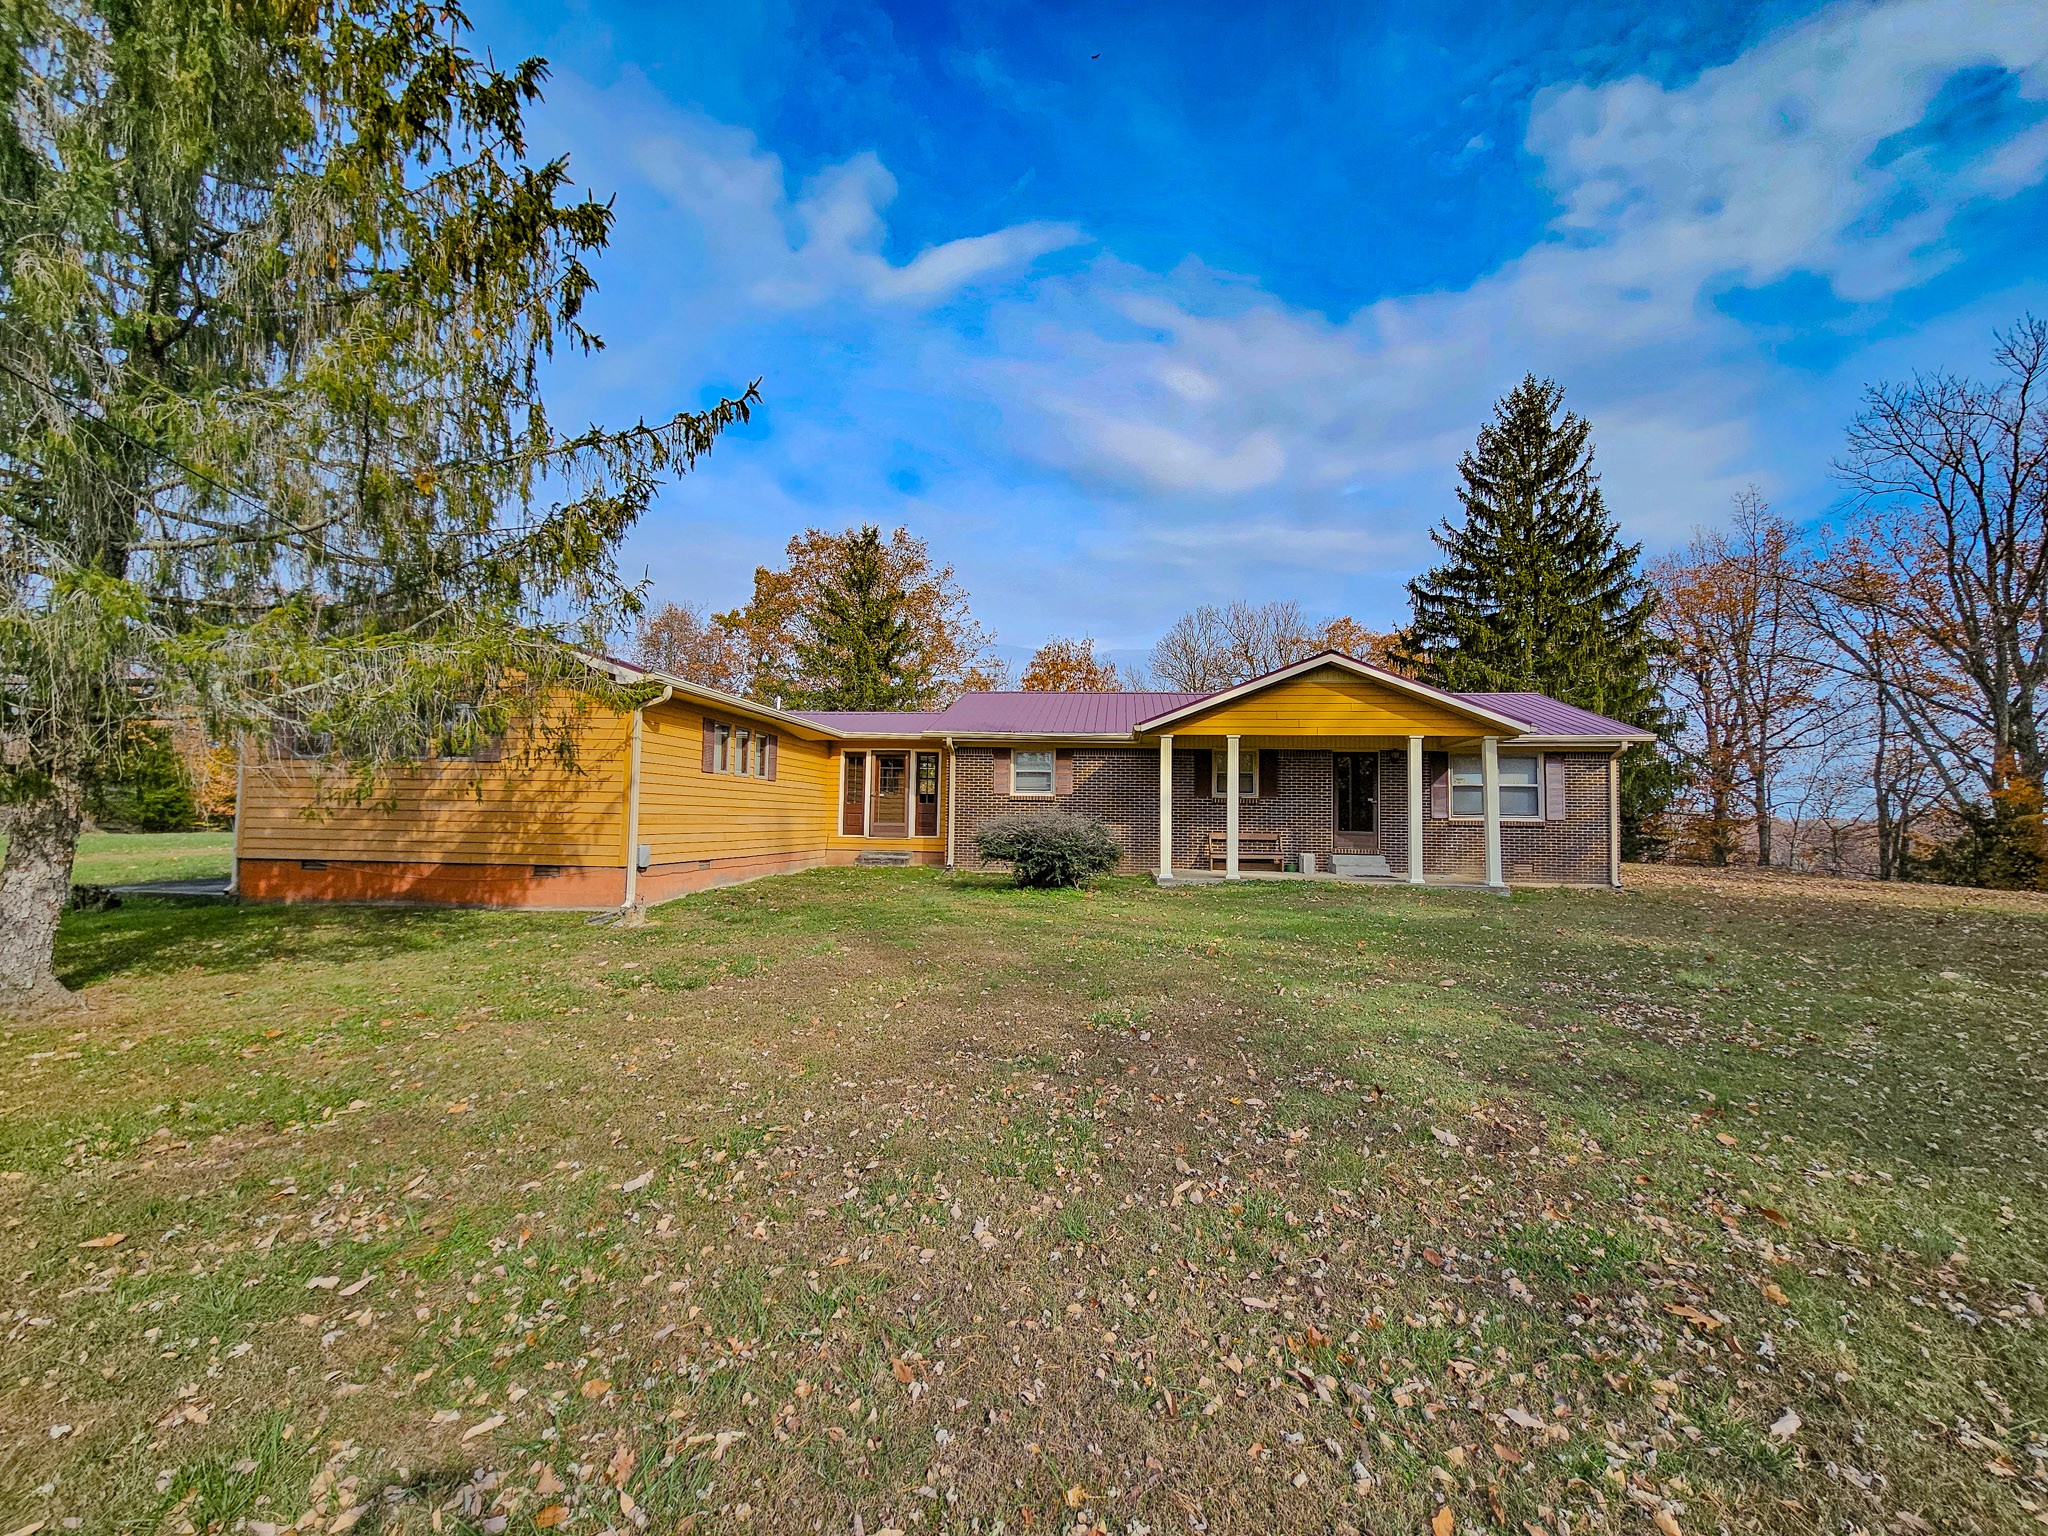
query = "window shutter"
{"x": 1269, "y": 775}
{"x": 1004, "y": 784}
{"x": 769, "y": 751}
{"x": 1440, "y": 786}
{"x": 1554, "y": 806}
{"x": 1205, "y": 775}
{"x": 1063, "y": 771}
{"x": 710, "y": 760}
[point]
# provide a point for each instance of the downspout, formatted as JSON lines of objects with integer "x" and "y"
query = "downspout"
{"x": 235, "y": 851}
{"x": 952, "y": 762}
{"x": 633, "y": 801}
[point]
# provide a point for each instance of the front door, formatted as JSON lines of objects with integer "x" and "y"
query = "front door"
{"x": 891, "y": 814}
{"x": 1358, "y": 801}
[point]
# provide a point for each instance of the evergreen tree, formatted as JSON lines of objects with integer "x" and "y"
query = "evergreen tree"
{"x": 859, "y": 648}
{"x": 1537, "y": 593}
{"x": 278, "y": 283}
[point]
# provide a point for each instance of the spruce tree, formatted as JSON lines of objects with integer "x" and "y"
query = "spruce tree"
{"x": 278, "y": 285}
{"x": 1537, "y": 593}
{"x": 859, "y": 648}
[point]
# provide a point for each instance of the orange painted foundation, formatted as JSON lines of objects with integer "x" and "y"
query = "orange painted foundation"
{"x": 516, "y": 885}
{"x": 664, "y": 882}
{"x": 450, "y": 885}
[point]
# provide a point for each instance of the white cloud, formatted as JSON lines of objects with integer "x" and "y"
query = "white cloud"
{"x": 1763, "y": 168}
{"x": 1191, "y": 433}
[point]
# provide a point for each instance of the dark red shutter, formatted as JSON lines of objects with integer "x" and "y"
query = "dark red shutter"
{"x": 1554, "y": 803}
{"x": 1269, "y": 774}
{"x": 769, "y": 753}
{"x": 710, "y": 746}
{"x": 1205, "y": 775}
{"x": 999, "y": 775}
{"x": 1063, "y": 771}
{"x": 1439, "y": 785}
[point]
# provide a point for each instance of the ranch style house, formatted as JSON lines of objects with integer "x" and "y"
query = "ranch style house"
{"x": 1329, "y": 767}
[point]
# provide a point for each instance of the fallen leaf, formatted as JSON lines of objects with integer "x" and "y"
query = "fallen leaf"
{"x": 1787, "y": 1424}
{"x": 1774, "y": 1216}
{"x": 1525, "y": 1418}
{"x": 1666, "y": 1522}
{"x": 595, "y": 1388}
{"x": 1775, "y": 1295}
{"x": 638, "y": 1182}
{"x": 483, "y": 1426}
{"x": 551, "y": 1515}
{"x": 110, "y": 1240}
{"x": 1443, "y": 1522}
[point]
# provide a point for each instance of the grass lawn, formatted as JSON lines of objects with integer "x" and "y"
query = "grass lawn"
{"x": 125, "y": 858}
{"x": 880, "y": 1200}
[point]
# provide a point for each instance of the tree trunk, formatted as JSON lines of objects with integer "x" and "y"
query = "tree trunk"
{"x": 35, "y": 880}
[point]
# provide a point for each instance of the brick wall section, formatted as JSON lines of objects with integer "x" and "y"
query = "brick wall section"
{"x": 1568, "y": 852}
{"x": 1118, "y": 786}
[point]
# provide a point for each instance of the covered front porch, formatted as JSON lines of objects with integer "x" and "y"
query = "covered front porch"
{"x": 1337, "y": 807}
{"x": 1347, "y": 762}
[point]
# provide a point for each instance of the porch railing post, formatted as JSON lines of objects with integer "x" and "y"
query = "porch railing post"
{"x": 1231, "y": 777}
{"x": 1166, "y": 807}
{"x": 1489, "y": 778}
{"x": 1415, "y": 810}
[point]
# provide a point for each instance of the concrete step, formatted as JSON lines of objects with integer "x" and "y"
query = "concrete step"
{"x": 883, "y": 860}
{"x": 1360, "y": 866}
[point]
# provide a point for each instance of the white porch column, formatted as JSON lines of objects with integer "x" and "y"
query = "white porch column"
{"x": 1489, "y": 776}
{"x": 1230, "y": 747}
{"x": 1166, "y": 807}
{"x": 1415, "y": 810}
{"x": 1614, "y": 821}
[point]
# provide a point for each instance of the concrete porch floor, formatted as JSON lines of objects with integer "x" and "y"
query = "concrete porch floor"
{"x": 1429, "y": 881}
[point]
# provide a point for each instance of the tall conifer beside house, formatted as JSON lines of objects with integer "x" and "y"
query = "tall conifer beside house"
{"x": 859, "y": 647}
{"x": 277, "y": 284}
{"x": 1536, "y": 592}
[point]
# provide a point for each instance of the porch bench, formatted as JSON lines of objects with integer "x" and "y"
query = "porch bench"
{"x": 1262, "y": 848}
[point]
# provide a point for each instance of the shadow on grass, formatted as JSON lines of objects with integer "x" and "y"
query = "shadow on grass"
{"x": 156, "y": 936}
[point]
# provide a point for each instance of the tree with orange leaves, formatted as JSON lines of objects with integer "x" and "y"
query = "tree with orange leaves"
{"x": 1065, "y": 665}
{"x": 954, "y": 654}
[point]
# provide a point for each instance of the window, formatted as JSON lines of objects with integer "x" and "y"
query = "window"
{"x": 853, "y": 795}
{"x": 1521, "y": 786}
{"x": 1031, "y": 773}
{"x": 462, "y": 740}
{"x": 1247, "y": 774}
{"x": 293, "y": 738}
{"x": 738, "y": 750}
{"x": 927, "y": 794}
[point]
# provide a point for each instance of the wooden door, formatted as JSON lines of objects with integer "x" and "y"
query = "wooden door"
{"x": 1357, "y": 827}
{"x": 890, "y": 814}
{"x": 927, "y": 794}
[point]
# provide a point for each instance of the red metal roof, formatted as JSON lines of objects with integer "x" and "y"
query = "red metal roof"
{"x": 1553, "y": 717}
{"x": 1014, "y": 714}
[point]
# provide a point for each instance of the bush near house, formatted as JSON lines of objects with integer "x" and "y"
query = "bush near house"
{"x": 1047, "y": 849}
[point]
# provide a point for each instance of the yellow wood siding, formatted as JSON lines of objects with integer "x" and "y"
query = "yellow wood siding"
{"x": 1328, "y": 702}
{"x": 452, "y": 812}
{"x": 686, "y": 813}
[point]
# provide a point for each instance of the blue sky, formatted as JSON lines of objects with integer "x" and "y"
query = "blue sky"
{"x": 1126, "y": 308}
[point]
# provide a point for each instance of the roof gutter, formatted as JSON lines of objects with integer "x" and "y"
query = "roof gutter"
{"x": 633, "y": 800}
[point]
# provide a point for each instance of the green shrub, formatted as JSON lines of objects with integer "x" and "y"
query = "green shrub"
{"x": 151, "y": 793}
{"x": 1047, "y": 848}
{"x": 91, "y": 898}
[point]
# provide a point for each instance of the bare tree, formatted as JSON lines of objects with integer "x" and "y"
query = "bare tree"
{"x": 1214, "y": 647}
{"x": 1949, "y": 478}
{"x": 1748, "y": 671}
